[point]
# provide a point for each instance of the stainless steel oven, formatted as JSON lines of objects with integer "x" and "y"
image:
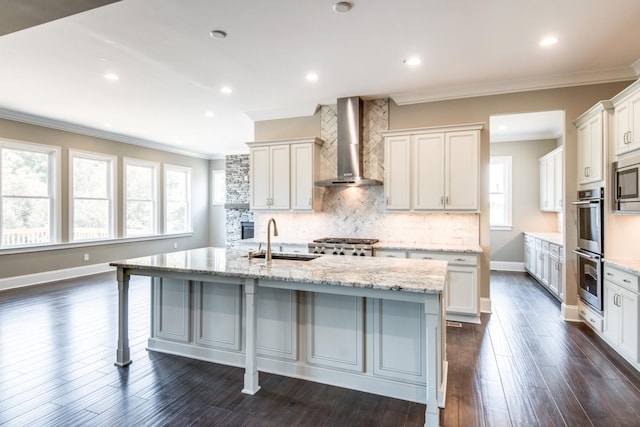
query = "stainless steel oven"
{"x": 590, "y": 250}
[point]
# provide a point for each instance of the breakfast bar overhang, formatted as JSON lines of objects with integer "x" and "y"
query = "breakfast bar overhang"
{"x": 372, "y": 325}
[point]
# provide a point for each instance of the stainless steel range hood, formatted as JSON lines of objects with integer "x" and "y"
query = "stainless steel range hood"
{"x": 349, "y": 146}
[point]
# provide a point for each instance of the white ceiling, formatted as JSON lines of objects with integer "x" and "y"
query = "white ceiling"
{"x": 171, "y": 70}
{"x": 526, "y": 126}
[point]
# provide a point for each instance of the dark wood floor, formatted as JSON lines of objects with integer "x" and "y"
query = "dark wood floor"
{"x": 522, "y": 367}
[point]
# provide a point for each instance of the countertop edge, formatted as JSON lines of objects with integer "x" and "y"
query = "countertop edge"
{"x": 630, "y": 266}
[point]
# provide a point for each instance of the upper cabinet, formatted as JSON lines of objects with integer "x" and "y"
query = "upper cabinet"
{"x": 592, "y": 131}
{"x": 551, "y": 181}
{"x": 626, "y": 118}
{"x": 432, "y": 169}
{"x": 282, "y": 173}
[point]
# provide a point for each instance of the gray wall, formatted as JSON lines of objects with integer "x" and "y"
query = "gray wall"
{"x": 38, "y": 261}
{"x": 217, "y": 216}
{"x": 507, "y": 245}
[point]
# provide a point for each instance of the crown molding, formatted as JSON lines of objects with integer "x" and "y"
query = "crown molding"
{"x": 98, "y": 133}
{"x": 512, "y": 86}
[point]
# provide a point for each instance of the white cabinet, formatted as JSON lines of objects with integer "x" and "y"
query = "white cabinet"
{"x": 269, "y": 177}
{"x": 397, "y": 176}
{"x": 282, "y": 173}
{"x": 543, "y": 261}
{"x": 621, "y": 312}
{"x": 432, "y": 169}
{"x": 463, "y": 271}
{"x": 592, "y": 131}
{"x": 305, "y": 170}
{"x": 551, "y": 181}
{"x": 627, "y": 120}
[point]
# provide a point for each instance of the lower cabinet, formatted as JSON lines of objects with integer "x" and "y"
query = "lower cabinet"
{"x": 543, "y": 261}
{"x": 369, "y": 344}
{"x": 620, "y": 292}
{"x": 463, "y": 292}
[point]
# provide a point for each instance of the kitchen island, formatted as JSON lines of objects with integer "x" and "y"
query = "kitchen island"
{"x": 365, "y": 324}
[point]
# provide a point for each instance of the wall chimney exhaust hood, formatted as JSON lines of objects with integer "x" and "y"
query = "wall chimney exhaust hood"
{"x": 349, "y": 146}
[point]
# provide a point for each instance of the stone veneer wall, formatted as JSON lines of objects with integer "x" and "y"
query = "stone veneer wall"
{"x": 237, "y": 172}
{"x": 359, "y": 211}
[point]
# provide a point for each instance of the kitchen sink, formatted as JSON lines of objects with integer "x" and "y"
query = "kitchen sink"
{"x": 285, "y": 256}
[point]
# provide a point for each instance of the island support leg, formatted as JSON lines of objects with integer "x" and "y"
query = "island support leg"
{"x": 123, "y": 357}
{"x": 434, "y": 324}
{"x": 251, "y": 366}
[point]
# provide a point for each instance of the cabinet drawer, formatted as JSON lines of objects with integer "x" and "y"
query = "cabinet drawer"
{"x": 590, "y": 317}
{"x": 554, "y": 249}
{"x": 451, "y": 258}
{"x": 545, "y": 246}
{"x": 622, "y": 278}
{"x": 389, "y": 253}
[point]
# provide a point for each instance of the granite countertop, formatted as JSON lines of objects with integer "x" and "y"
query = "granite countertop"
{"x": 629, "y": 265}
{"x": 555, "y": 238}
{"x": 406, "y": 275}
{"x": 432, "y": 247}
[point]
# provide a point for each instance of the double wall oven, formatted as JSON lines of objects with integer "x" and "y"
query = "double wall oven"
{"x": 590, "y": 250}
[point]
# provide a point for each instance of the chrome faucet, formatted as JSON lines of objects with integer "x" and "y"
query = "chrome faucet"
{"x": 267, "y": 258}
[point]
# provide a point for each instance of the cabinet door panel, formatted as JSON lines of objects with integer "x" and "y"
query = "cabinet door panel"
{"x": 260, "y": 178}
{"x": 629, "y": 323}
{"x": 280, "y": 174}
{"x": 557, "y": 180}
{"x": 302, "y": 177}
{"x": 399, "y": 340}
{"x": 277, "y": 323}
{"x": 462, "y": 291}
{"x": 397, "y": 180}
{"x": 611, "y": 313}
{"x": 171, "y": 315}
{"x": 335, "y": 335}
{"x": 218, "y": 315}
{"x": 595, "y": 167}
{"x": 634, "y": 122}
{"x": 428, "y": 171}
{"x": 461, "y": 166}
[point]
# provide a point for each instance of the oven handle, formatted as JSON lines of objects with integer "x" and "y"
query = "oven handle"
{"x": 586, "y": 202}
{"x": 585, "y": 254}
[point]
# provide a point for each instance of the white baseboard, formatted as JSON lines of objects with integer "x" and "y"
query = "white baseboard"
{"x": 52, "y": 276}
{"x": 485, "y": 305}
{"x": 570, "y": 313}
{"x": 507, "y": 266}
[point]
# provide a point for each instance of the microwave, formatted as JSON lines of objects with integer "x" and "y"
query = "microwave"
{"x": 626, "y": 180}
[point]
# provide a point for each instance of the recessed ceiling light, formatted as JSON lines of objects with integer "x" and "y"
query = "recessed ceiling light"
{"x": 226, "y": 89}
{"x": 342, "y": 7}
{"x": 111, "y": 76}
{"x": 218, "y": 34}
{"x": 209, "y": 114}
{"x": 414, "y": 60}
{"x": 108, "y": 125}
{"x": 312, "y": 77}
{"x": 548, "y": 41}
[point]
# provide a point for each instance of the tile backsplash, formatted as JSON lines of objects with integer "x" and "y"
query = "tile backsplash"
{"x": 359, "y": 212}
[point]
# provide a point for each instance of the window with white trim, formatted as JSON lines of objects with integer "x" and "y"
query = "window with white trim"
{"x": 29, "y": 189}
{"x": 177, "y": 199}
{"x": 218, "y": 187}
{"x": 500, "y": 193}
{"x": 140, "y": 198}
{"x": 92, "y": 207}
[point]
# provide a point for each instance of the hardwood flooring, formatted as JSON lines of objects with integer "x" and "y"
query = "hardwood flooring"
{"x": 523, "y": 366}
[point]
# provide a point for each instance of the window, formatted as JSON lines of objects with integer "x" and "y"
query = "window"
{"x": 218, "y": 187}
{"x": 177, "y": 196}
{"x": 92, "y": 201}
{"x": 500, "y": 193}
{"x": 29, "y": 186}
{"x": 140, "y": 199}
